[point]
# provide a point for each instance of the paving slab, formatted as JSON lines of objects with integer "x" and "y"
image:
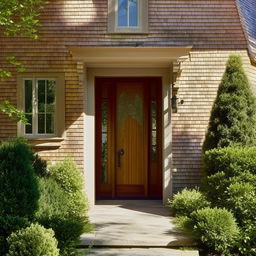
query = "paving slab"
{"x": 140, "y": 252}
{"x": 141, "y": 223}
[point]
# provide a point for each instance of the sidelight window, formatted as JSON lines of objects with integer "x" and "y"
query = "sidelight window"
{"x": 104, "y": 142}
{"x": 153, "y": 110}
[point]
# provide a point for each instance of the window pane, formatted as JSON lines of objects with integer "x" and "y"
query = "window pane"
{"x": 122, "y": 13}
{"x": 51, "y": 91}
{"x": 28, "y": 96}
{"x": 29, "y": 128}
{"x": 50, "y": 107}
{"x": 133, "y": 13}
{"x": 41, "y": 123}
{"x": 41, "y": 96}
{"x": 49, "y": 123}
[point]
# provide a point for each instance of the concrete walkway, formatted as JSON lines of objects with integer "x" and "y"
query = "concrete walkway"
{"x": 131, "y": 228}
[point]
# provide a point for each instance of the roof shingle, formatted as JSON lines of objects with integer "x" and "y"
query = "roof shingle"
{"x": 247, "y": 11}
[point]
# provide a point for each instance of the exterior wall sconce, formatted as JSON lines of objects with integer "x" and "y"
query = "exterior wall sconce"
{"x": 176, "y": 72}
{"x": 174, "y": 101}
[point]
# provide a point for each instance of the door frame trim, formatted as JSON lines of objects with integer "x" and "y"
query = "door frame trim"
{"x": 89, "y": 123}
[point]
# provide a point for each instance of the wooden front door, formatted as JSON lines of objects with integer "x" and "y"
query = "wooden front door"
{"x": 128, "y": 143}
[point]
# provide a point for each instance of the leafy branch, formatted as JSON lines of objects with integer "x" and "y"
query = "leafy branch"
{"x": 18, "y": 18}
{"x": 13, "y": 113}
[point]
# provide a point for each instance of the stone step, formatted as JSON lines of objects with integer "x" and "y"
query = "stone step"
{"x": 134, "y": 224}
{"x": 140, "y": 252}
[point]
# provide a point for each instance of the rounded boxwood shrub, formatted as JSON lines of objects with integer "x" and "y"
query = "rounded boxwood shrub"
{"x": 242, "y": 202}
{"x": 34, "y": 240}
{"x": 216, "y": 229}
{"x": 187, "y": 201}
{"x": 231, "y": 161}
{"x": 18, "y": 183}
{"x": 8, "y": 225}
{"x": 214, "y": 188}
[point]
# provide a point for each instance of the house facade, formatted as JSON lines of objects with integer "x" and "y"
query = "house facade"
{"x": 125, "y": 87}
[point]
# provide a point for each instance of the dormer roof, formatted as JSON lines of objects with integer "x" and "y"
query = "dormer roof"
{"x": 247, "y": 12}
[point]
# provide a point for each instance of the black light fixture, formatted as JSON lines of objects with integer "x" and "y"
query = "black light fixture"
{"x": 174, "y": 102}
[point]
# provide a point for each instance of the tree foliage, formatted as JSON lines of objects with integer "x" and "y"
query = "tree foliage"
{"x": 17, "y": 18}
{"x": 233, "y": 116}
{"x": 20, "y": 17}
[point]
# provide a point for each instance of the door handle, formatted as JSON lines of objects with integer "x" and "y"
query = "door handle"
{"x": 120, "y": 153}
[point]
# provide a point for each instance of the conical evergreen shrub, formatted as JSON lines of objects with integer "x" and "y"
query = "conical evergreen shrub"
{"x": 233, "y": 116}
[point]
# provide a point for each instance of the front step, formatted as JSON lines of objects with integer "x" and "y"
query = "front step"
{"x": 140, "y": 252}
{"x": 134, "y": 228}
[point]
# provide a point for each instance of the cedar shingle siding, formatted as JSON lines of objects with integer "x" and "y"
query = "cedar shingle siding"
{"x": 212, "y": 27}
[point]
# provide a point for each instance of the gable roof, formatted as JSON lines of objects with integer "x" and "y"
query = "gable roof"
{"x": 247, "y": 12}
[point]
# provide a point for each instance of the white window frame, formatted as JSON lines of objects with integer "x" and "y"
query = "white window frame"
{"x": 59, "y": 116}
{"x": 142, "y": 27}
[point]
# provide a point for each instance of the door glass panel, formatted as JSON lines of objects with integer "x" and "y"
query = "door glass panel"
{"x": 104, "y": 142}
{"x": 130, "y": 105}
{"x": 153, "y": 112}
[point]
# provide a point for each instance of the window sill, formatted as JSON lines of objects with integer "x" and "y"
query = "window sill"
{"x": 127, "y": 32}
{"x": 46, "y": 143}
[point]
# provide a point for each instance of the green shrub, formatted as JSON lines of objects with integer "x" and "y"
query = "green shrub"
{"x": 187, "y": 201}
{"x": 216, "y": 229}
{"x": 247, "y": 243}
{"x": 233, "y": 116}
{"x": 68, "y": 230}
{"x": 18, "y": 184}
{"x": 214, "y": 188}
{"x": 40, "y": 166}
{"x": 242, "y": 202}
{"x": 231, "y": 161}
{"x": 34, "y": 240}
{"x": 8, "y": 225}
{"x": 53, "y": 200}
{"x": 70, "y": 178}
{"x": 184, "y": 224}
{"x": 59, "y": 209}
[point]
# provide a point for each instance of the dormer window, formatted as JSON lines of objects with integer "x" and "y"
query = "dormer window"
{"x": 128, "y": 16}
{"x": 127, "y": 13}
